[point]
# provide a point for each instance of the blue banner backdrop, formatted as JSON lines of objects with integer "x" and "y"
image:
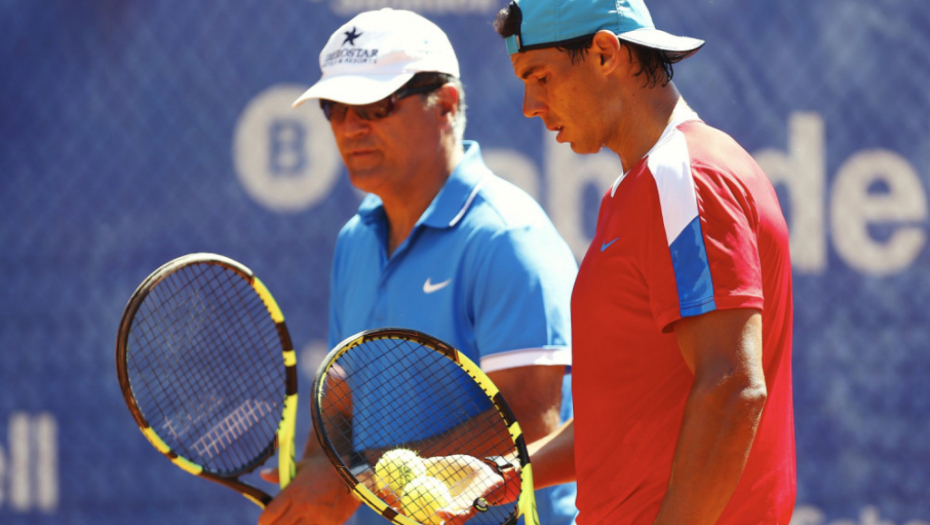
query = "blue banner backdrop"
{"x": 132, "y": 132}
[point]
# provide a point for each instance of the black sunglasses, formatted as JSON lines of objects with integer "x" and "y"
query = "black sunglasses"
{"x": 336, "y": 111}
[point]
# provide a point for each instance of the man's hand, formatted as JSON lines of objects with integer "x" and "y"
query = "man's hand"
{"x": 316, "y": 496}
{"x": 470, "y": 478}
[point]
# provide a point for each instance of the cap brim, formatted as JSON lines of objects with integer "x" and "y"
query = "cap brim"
{"x": 680, "y": 46}
{"x": 355, "y": 89}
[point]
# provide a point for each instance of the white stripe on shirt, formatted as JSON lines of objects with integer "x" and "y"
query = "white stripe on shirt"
{"x": 553, "y": 356}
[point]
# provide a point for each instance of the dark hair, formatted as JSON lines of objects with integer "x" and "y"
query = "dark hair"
{"x": 432, "y": 77}
{"x": 428, "y": 77}
{"x": 655, "y": 64}
{"x": 508, "y": 20}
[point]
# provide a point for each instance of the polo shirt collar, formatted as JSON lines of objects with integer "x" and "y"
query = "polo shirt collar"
{"x": 452, "y": 201}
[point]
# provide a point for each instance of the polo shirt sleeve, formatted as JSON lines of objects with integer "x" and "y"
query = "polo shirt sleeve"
{"x": 713, "y": 261}
{"x": 521, "y": 300}
{"x": 335, "y": 334}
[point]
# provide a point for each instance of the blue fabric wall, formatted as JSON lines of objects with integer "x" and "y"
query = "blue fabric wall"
{"x": 132, "y": 132}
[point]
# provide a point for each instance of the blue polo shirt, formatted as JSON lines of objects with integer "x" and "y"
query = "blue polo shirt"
{"x": 483, "y": 269}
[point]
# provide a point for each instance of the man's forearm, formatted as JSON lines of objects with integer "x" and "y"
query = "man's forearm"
{"x": 553, "y": 457}
{"x": 312, "y": 446}
{"x": 716, "y": 436}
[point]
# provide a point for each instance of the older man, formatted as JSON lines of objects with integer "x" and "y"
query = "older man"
{"x": 440, "y": 244}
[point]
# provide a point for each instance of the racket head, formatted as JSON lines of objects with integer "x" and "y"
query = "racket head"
{"x": 207, "y": 369}
{"x": 391, "y": 388}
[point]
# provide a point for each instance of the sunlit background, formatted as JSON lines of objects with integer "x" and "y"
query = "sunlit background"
{"x": 132, "y": 132}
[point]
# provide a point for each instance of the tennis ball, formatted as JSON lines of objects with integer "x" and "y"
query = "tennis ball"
{"x": 397, "y": 468}
{"x": 423, "y": 497}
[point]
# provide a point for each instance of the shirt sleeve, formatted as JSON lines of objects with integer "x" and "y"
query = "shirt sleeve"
{"x": 335, "y": 333}
{"x": 521, "y": 302}
{"x": 714, "y": 260}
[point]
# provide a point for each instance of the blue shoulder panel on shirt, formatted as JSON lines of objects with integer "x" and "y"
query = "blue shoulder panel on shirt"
{"x": 692, "y": 272}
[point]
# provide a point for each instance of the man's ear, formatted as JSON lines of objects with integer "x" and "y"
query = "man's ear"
{"x": 605, "y": 49}
{"x": 448, "y": 100}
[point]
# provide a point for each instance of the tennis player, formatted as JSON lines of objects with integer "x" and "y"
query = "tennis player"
{"x": 682, "y": 310}
{"x": 440, "y": 244}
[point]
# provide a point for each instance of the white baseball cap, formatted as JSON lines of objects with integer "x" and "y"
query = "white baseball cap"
{"x": 376, "y": 53}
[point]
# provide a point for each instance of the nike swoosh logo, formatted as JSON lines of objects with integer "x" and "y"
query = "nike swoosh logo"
{"x": 606, "y": 245}
{"x": 429, "y": 287}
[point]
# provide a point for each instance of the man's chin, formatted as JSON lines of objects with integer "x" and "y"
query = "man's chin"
{"x": 364, "y": 180}
{"x": 584, "y": 149}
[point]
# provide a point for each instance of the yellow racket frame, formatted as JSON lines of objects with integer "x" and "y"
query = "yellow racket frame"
{"x": 284, "y": 439}
{"x": 526, "y": 505}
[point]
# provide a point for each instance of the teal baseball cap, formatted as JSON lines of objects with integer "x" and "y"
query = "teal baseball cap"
{"x": 555, "y": 23}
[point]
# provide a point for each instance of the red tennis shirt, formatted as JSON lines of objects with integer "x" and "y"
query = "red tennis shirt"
{"x": 693, "y": 227}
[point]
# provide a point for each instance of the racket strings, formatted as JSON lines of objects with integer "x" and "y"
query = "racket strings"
{"x": 240, "y": 331}
{"x": 440, "y": 408}
{"x": 249, "y": 411}
{"x": 196, "y": 310}
{"x": 404, "y": 394}
{"x": 205, "y": 367}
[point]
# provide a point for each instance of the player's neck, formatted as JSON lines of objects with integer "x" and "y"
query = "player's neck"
{"x": 643, "y": 120}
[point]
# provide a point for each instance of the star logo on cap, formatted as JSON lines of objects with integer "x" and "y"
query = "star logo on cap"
{"x": 350, "y": 37}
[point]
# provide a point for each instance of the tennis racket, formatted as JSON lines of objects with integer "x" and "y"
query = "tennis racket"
{"x": 208, "y": 371}
{"x": 401, "y": 414}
